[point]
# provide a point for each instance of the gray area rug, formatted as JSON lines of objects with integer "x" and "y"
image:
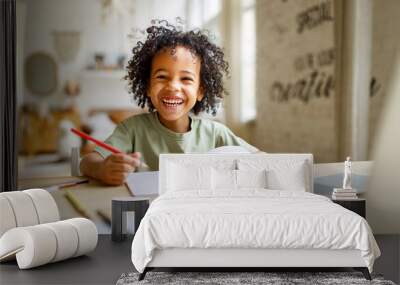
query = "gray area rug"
{"x": 270, "y": 278}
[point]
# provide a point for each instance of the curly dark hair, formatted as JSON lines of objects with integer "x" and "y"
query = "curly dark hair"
{"x": 213, "y": 64}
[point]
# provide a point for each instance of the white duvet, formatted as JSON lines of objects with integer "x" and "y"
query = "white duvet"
{"x": 251, "y": 218}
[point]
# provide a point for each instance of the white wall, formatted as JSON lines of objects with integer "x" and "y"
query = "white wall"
{"x": 383, "y": 195}
{"x": 386, "y": 42}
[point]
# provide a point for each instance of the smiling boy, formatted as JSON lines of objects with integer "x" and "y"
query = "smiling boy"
{"x": 174, "y": 73}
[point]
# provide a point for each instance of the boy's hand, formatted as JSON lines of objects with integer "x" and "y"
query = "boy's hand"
{"x": 117, "y": 166}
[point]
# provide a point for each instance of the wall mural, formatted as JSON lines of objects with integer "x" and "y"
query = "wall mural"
{"x": 314, "y": 16}
{"x": 316, "y": 84}
{"x": 296, "y": 96}
{"x": 296, "y": 83}
{"x": 374, "y": 87}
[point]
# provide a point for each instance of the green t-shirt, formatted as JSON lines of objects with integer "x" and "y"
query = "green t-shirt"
{"x": 145, "y": 134}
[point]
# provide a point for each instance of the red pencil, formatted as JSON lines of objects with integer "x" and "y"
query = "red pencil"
{"x": 99, "y": 143}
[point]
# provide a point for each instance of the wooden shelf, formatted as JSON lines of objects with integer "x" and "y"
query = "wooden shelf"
{"x": 117, "y": 73}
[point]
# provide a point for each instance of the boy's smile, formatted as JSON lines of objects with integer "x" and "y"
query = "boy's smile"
{"x": 175, "y": 86}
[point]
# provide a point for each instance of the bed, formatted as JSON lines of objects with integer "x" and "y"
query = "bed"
{"x": 247, "y": 210}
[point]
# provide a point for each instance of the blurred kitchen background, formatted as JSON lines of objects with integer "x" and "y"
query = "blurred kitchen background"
{"x": 306, "y": 75}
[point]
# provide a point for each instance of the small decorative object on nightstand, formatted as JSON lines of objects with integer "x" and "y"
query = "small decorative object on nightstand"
{"x": 346, "y": 192}
{"x": 355, "y": 205}
{"x": 120, "y": 207}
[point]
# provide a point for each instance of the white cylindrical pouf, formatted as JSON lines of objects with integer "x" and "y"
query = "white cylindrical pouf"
{"x": 7, "y": 218}
{"x": 23, "y": 208}
{"x": 37, "y": 245}
{"x": 87, "y": 234}
{"x": 67, "y": 239}
{"x": 45, "y": 205}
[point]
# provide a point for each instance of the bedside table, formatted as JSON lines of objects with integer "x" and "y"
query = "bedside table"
{"x": 355, "y": 205}
{"x": 120, "y": 206}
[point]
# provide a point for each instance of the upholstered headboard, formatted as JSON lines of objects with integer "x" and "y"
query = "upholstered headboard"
{"x": 231, "y": 161}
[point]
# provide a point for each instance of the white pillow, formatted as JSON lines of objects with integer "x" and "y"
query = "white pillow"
{"x": 282, "y": 174}
{"x": 292, "y": 178}
{"x": 226, "y": 179}
{"x": 223, "y": 179}
{"x": 251, "y": 178}
{"x": 183, "y": 177}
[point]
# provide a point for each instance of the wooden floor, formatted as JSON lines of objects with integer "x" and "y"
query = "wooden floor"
{"x": 389, "y": 262}
{"x": 102, "y": 266}
{"x": 110, "y": 260}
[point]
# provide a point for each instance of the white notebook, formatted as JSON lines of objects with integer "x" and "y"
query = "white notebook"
{"x": 143, "y": 183}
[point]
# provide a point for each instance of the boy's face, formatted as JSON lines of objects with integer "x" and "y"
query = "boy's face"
{"x": 175, "y": 84}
